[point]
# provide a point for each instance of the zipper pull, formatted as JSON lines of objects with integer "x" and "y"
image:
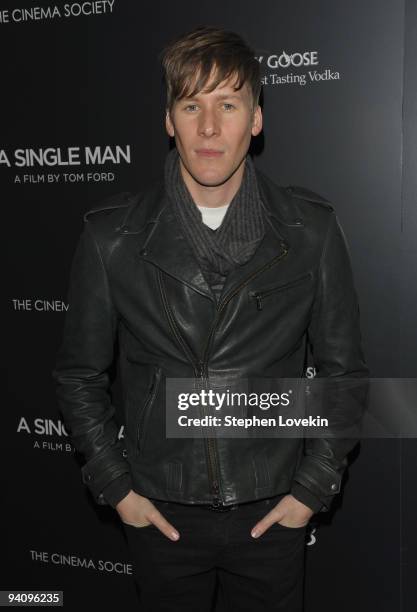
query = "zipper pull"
{"x": 258, "y": 301}
{"x": 216, "y": 491}
{"x": 201, "y": 368}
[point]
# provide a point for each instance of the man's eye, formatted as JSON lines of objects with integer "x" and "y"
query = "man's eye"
{"x": 193, "y": 107}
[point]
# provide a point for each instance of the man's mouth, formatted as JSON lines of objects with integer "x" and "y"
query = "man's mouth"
{"x": 209, "y": 152}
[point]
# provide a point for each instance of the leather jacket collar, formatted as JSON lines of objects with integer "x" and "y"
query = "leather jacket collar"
{"x": 162, "y": 241}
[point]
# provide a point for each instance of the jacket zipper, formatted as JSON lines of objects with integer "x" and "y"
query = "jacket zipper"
{"x": 260, "y": 295}
{"x": 149, "y": 401}
{"x": 204, "y": 373}
{"x": 200, "y": 366}
{"x": 211, "y": 451}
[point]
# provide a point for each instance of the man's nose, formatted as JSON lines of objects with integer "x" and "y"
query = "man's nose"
{"x": 208, "y": 124}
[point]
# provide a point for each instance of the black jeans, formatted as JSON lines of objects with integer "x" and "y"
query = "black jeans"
{"x": 254, "y": 574}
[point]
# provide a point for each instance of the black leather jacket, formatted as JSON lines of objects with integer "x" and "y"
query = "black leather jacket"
{"x": 135, "y": 278}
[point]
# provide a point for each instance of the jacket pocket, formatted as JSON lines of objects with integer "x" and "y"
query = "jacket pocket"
{"x": 144, "y": 412}
{"x": 260, "y": 295}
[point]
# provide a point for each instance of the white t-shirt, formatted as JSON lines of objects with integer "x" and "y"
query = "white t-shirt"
{"x": 213, "y": 216}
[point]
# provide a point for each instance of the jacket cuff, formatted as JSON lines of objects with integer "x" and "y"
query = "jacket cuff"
{"x": 319, "y": 477}
{"x": 103, "y": 468}
{"x": 306, "y": 497}
{"x": 118, "y": 488}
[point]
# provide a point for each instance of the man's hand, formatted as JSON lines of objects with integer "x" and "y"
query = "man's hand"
{"x": 140, "y": 512}
{"x": 289, "y": 512}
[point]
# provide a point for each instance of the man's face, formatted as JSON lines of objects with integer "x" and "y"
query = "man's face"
{"x": 213, "y": 131}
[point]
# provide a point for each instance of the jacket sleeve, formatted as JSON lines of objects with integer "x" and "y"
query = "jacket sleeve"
{"x": 81, "y": 368}
{"x": 341, "y": 384}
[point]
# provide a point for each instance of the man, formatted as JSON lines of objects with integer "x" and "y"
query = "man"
{"x": 213, "y": 273}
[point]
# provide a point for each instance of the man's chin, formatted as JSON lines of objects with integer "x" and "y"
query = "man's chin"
{"x": 211, "y": 179}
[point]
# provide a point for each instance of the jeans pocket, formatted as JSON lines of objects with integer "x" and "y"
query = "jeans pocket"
{"x": 137, "y": 526}
{"x": 281, "y": 526}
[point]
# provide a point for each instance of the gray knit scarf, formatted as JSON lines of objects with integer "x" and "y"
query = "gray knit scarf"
{"x": 234, "y": 242}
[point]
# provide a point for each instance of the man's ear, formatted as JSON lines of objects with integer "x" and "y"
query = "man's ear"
{"x": 257, "y": 121}
{"x": 169, "y": 125}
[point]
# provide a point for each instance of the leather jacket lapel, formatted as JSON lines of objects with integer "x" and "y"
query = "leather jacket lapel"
{"x": 166, "y": 247}
{"x": 279, "y": 217}
{"x": 270, "y": 249}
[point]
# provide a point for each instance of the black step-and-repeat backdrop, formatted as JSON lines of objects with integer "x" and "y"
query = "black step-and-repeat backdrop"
{"x": 82, "y": 118}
